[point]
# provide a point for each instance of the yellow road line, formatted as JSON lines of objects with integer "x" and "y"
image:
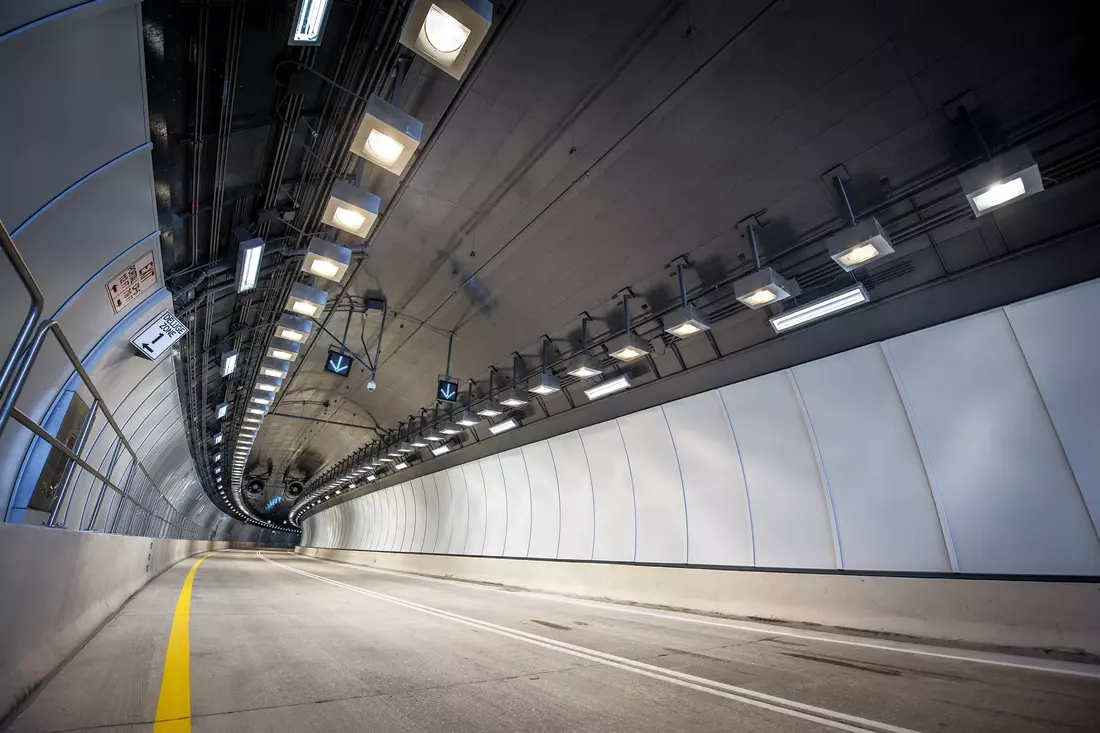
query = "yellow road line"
{"x": 174, "y": 703}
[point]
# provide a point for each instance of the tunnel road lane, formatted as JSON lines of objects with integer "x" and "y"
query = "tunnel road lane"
{"x": 282, "y": 642}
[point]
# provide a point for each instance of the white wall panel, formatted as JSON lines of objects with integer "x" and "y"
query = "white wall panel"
{"x": 612, "y": 491}
{"x": 420, "y": 507}
{"x": 1011, "y": 500}
{"x": 460, "y": 512}
{"x": 390, "y": 502}
{"x": 790, "y": 517}
{"x": 885, "y": 512}
{"x": 475, "y": 495}
{"x": 410, "y": 516}
{"x": 431, "y": 514}
{"x": 717, "y": 506}
{"x": 496, "y": 506}
{"x": 545, "y": 515}
{"x": 446, "y": 512}
{"x": 575, "y": 490}
{"x": 518, "y": 536}
{"x": 658, "y": 489}
{"x": 1060, "y": 338}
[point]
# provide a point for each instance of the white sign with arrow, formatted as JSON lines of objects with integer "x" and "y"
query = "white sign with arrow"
{"x": 159, "y": 334}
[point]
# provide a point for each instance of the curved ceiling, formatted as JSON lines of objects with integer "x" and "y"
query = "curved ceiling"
{"x": 589, "y": 147}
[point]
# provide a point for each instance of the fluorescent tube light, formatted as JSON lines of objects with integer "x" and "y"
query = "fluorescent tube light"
{"x": 608, "y": 386}
{"x": 503, "y": 426}
{"x": 250, "y": 254}
{"x": 217, "y": 438}
{"x": 220, "y": 410}
{"x": 310, "y": 16}
{"x": 821, "y": 308}
{"x": 440, "y": 450}
{"x": 399, "y": 466}
{"x": 229, "y": 362}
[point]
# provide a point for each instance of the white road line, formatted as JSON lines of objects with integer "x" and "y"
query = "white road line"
{"x": 824, "y": 716}
{"x": 1073, "y": 669}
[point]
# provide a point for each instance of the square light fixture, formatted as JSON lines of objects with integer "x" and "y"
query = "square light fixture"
{"x": 687, "y": 320}
{"x": 859, "y": 244}
{"x": 326, "y": 259}
{"x": 387, "y": 136}
{"x": 293, "y": 328}
{"x": 253, "y": 420}
{"x": 217, "y": 438}
{"x": 418, "y": 441}
{"x": 467, "y": 419}
{"x": 277, "y": 368}
{"x": 830, "y": 304}
{"x": 306, "y": 300}
{"x": 280, "y": 348}
{"x": 221, "y": 410}
{"x": 514, "y": 399}
{"x": 309, "y": 24}
{"x": 490, "y": 409}
{"x": 433, "y": 435}
{"x": 608, "y": 386}
{"x": 404, "y": 447}
{"x": 630, "y": 348}
{"x": 399, "y": 466}
{"x": 584, "y": 366}
{"x": 764, "y": 287}
{"x": 351, "y": 209}
{"x": 261, "y": 397}
{"x": 269, "y": 384}
{"x": 250, "y": 254}
{"x": 546, "y": 383}
{"x": 217, "y": 469}
{"x": 1005, "y": 179}
{"x": 447, "y": 33}
{"x": 386, "y": 459}
{"x": 450, "y": 428}
{"x": 256, "y": 411}
{"x": 217, "y": 457}
{"x": 504, "y": 426}
{"x": 229, "y": 362}
{"x": 440, "y": 450}
{"x": 372, "y": 478}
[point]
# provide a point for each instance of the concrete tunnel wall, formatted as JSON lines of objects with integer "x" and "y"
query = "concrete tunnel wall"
{"x": 965, "y": 448}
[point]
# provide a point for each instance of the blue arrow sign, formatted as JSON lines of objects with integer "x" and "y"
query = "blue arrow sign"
{"x": 447, "y": 390}
{"x": 338, "y": 363}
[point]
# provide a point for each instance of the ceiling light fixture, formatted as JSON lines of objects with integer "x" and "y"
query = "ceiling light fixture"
{"x": 686, "y": 320}
{"x": 547, "y": 382}
{"x": 830, "y": 304}
{"x": 504, "y": 426}
{"x": 862, "y": 242}
{"x": 217, "y": 438}
{"x": 399, "y": 466}
{"x": 584, "y": 365}
{"x": 387, "y": 136}
{"x": 489, "y": 408}
{"x": 311, "y": 16}
{"x": 221, "y": 410}
{"x": 630, "y": 346}
{"x": 1001, "y": 180}
{"x": 351, "y": 209}
{"x": 764, "y": 285}
{"x": 228, "y": 362}
{"x": 608, "y": 386}
{"x": 277, "y": 368}
{"x": 293, "y": 328}
{"x": 250, "y": 253}
{"x": 440, "y": 450}
{"x": 447, "y": 32}
{"x": 281, "y": 348}
{"x": 269, "y": 384}
{"x": 326, "y": 259}
{"x": 515, "y": 398}
{"x": 306, "y": 300}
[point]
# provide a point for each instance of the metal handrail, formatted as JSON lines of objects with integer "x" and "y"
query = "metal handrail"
{"x": 17, "y": 366}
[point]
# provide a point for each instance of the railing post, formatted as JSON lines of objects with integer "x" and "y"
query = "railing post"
{"x": 37, "y": 301}
{"x": 122, "y": 498}
{"x": 102, "y": 489}
{"x": 67, "y": 474}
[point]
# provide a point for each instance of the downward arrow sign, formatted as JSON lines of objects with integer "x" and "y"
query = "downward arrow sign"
{"x": 448, "y": 392}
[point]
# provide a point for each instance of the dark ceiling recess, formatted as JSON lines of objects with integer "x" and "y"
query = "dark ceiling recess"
{"x": 591, "y": 149}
